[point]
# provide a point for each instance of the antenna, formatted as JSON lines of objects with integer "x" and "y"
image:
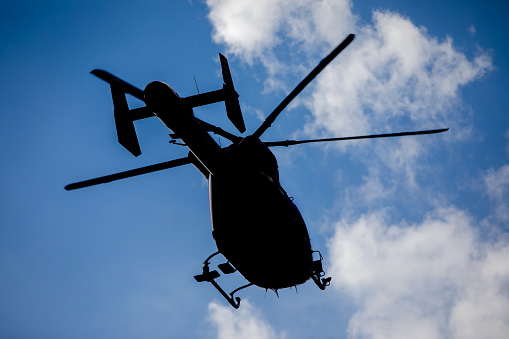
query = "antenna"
{"x": 196, "y": 84}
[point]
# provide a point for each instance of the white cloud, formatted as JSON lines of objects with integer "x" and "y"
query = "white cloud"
{"x": 253, "y": 30}
{"x": 393, "y": 72}
{"x": 435, "y": 279}
{"x": 393, "y": 77}
{"x": 246, "y": 322}
{"x": 432, "y": 280}
{"x": 372, "y": 189}
{"x": 248, "y": 28}
{"x": 392, "y": 69}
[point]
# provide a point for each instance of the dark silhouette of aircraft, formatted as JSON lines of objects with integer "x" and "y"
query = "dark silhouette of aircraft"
{"x": 256, "y": 225}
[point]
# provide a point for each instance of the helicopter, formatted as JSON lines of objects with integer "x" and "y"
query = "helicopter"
{"x": 256, "y": 226}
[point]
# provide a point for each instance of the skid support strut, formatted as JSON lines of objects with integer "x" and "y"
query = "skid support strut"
{"x": 209, "y": 276}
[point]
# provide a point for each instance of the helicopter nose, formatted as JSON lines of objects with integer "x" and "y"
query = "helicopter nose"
{"x": 159, "y": 95}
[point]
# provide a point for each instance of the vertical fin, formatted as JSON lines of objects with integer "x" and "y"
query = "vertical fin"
{"x": 231, "y": 100}
{"x": 125, "y": 127}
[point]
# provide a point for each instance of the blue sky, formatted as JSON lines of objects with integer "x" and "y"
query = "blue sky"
{"x": 414, "y": 230}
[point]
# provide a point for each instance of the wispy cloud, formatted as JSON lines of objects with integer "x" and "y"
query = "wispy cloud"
{"x": 472, "y": 30}
{"x": 496, "y": 183}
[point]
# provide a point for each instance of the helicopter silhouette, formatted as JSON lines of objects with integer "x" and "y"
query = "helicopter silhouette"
{"x": 256, "y": 226}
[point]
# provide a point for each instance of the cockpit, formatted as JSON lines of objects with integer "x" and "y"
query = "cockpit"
{"x": 252, "y": 153}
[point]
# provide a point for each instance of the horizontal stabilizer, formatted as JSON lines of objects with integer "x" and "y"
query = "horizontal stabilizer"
{"x": 231, "y": 99}
{"x": 123, "y": 116}
{"x": 114, "y": 81}
{"x": 129, "y": 174}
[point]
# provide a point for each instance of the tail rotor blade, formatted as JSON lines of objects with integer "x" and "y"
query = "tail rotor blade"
{"x": 130, "y": 173}
{"x": 272, "y": 116}
{"x": 287, "y": 143}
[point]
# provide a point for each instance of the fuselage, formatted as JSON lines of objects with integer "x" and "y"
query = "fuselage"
{"x": 256, "y": 226}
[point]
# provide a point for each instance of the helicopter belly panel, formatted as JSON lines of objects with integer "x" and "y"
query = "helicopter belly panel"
{"x": 259, "y": 230}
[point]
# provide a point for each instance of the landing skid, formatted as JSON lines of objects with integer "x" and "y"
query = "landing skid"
{"x": 209, "y": 276}
{"x": 317, "y": 274}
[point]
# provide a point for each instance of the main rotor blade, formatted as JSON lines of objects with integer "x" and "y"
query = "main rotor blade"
{"x": 218, "y": 131}
{"x": 130, "y": 173}
{"x": 113, "y": 80}
{"x": 272, "y": 116}
{"x": 287, "y": 143}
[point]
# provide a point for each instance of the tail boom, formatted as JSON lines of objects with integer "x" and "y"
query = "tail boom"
{"x": 167, "y": 106}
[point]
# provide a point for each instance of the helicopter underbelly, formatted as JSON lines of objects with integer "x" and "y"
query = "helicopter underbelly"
{"x": 259, "y": 230}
